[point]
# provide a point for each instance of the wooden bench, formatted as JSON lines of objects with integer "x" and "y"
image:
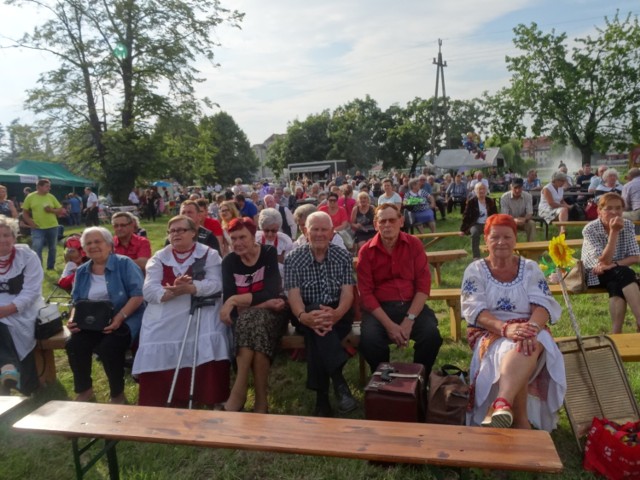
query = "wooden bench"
{"x": 9, "y": 403}
{"x": 419, "y": 443}
{"x": 627, "y": 344}
{"x": 45, "y": 360}
{"x": 438, "y": 258}
{"x": 452, "y": 297}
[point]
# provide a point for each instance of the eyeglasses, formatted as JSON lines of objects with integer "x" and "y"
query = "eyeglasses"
{"x": 178, "y": 231}
{"x": 390, "y": 221}
{"x": 270, "y": 230}
{"x": 121, "y": 225}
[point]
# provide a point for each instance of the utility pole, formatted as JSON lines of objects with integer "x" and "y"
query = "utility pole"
{"x": 439, "y": 75}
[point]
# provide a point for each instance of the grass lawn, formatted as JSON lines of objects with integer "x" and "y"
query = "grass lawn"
{"x": 37, "y": 457}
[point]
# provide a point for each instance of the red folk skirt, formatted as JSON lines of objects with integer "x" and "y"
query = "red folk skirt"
{"x": 211, "y": 385}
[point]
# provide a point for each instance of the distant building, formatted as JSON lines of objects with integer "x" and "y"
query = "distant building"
{"x": 538, "y": 149}
{"x": 260, "y": 149}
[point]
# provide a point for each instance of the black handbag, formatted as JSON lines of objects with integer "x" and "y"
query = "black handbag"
{"x": 49, "y": 321}
{"x": 93, "y": 315}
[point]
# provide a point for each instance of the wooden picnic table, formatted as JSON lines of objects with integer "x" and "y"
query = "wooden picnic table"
{"x": 435, "y": 237}
{"x": 8, "y": 403}
{"x": 438, "y": 258}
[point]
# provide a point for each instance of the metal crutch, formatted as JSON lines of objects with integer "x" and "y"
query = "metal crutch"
{"x": 198, "y": 303}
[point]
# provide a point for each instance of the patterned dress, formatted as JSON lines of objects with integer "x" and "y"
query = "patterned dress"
{"x": 510, "y": 301}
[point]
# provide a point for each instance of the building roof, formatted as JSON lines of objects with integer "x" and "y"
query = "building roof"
{"x": 462, "y": 159}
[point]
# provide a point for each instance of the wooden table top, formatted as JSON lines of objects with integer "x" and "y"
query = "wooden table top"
{"x": 8, "y": 403}
{"x": 447, "y": 445}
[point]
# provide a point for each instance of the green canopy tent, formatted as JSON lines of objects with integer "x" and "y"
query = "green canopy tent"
{"x": 28, "y": 172}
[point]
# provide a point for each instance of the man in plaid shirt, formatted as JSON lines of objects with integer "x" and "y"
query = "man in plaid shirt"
{"x": 319, "y": 281}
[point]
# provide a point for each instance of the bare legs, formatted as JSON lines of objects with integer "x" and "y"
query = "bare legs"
{"x": 563, "y": 216}
{"x": 632, "y": 296}
{"x": 515, "y": 371}
{"x": 617, "y": 309}
{"x": 259, "y": 364}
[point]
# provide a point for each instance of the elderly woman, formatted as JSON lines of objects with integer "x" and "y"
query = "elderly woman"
{"x": 362, "y": 220}
{"x": 254, "y": 304}
{"x": 517, "y": 370}
{"x": 610, "y": 184}
{"x": 423, "y": 213}
{"x": 105, "y": 277}
{"x": 7, "y": 208}
{"x": 552, "y": 205}
{"x": 270, "y": 222}
{"x": 347, "y": 201}
{"x": 608, "y": 251}
{"x": 476, "y": 212}
{"x": 21, "y": 279}
{"x": 177, "y": 276}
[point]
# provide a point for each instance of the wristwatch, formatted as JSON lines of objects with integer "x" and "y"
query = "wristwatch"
{"x": 411, "y": 317}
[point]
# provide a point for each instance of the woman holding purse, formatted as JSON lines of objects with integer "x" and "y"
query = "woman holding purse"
{"x": 106, "y": 286}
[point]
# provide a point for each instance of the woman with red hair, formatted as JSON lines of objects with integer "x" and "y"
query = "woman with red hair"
{"x": 254, "y": 305}
{"x": 517, "y": 370}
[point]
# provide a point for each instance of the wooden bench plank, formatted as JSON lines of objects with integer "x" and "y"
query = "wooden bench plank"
{"x": 9, "y": 403}
{"x": 533, "y": 250}
{"x": 435, "y": 237}
{"x": 445, "y": 445}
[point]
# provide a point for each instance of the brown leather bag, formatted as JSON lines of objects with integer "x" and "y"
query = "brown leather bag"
{"x": 447, "y": 396}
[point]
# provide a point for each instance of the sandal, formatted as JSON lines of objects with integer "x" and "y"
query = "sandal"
{"x": 500, "y": 415}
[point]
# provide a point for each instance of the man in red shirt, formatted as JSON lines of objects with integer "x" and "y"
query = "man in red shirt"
{"x": 127, "y": 243}
{"x": 394, "y": 283}
{"x": 207, "y": 222}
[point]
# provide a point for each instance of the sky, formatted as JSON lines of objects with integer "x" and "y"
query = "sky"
{"x": 293, "y": 58}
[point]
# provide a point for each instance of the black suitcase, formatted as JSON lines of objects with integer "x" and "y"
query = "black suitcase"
{"x": 395, "y": 393}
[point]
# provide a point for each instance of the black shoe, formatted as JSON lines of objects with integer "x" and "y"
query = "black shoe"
{"x": 346, "y": 402}
{"x": 322, "y": 410}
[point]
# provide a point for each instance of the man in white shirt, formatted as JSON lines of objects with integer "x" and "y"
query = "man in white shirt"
{"x": 133, "y": 198}
{"x": 92, "y": 209}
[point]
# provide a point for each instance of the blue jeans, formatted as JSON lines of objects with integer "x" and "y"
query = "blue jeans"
{"x": 74, "y": 218}
{"x": 48, "y": 236}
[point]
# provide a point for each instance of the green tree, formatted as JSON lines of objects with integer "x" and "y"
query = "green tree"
{"x": 354, "y": 133}
{"x": 407, "y": 134}
{"x": 276, "y": 160}
{"x": 224, "y": 151}
{"x": 309, "y": 141}
{"x": 178, "y": 138}
{"x": 465, "y": 116}
{"x": 587, "y": 94}
{"x": 122, "y": 62}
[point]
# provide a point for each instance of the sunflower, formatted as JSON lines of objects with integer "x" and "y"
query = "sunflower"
{"x": 560, "y": 253}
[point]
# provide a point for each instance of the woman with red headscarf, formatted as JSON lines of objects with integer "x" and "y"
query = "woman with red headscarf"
{"x": 517, "y": 371}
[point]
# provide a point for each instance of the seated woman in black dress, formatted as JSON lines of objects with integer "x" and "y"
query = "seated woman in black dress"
{"x": 252, "y": 289}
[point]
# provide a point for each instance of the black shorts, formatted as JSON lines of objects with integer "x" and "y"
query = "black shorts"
{"x": 615, "y": 279}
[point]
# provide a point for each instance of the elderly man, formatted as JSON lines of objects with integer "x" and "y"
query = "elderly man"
{"x": 519, "y": 205}
{"x": 532, "y": 182}
{"x": 289, "y": 226}
{"x": 300, "y": 216}
{"x": 40, "y": 211}
{"x": 190, "y": 208}
{"x": 319, "y": 280}
{"x": 394, "y": 283}
{"x": 597, "y": 179}
{"x": 126, "y": 242}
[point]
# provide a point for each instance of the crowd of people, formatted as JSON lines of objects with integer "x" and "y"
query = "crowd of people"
{"x": 244, "y": 269}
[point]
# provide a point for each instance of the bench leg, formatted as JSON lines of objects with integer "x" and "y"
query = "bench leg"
{"x": 363, "y": 369}
{"x": 436, "y": 268}
{"x": 109, "y": 449}
{"x": 45, "y": 366}
{"x": 455, "y": 319}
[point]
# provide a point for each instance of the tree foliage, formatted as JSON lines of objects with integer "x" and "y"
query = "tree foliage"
{"x": 224, "y": 151}
{"x": 587, "y": 94}
{"x": 93, "y": 89}
{"x": 354, "y": 133}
